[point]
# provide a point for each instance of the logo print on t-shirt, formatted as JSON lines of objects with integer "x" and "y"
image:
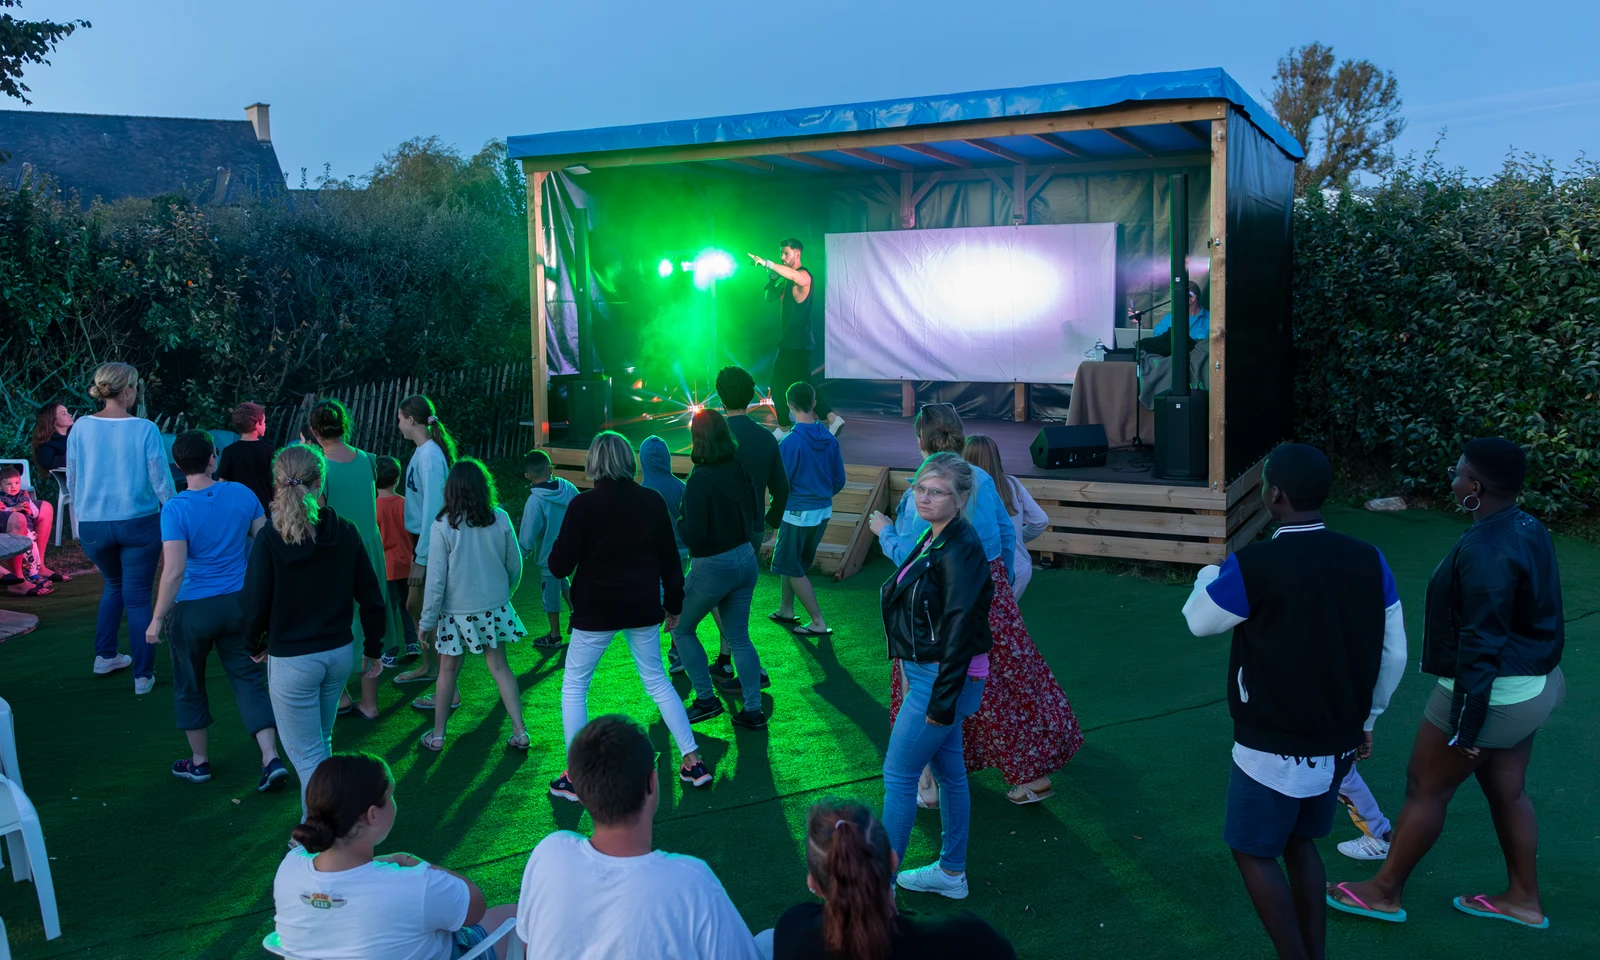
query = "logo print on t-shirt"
{"x": 321, "y": 901}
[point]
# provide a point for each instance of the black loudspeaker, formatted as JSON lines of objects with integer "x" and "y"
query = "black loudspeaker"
{"x": 1182, "y": 436}
{"x": 588, "y": 408}
{"x": 1056, "y": 448}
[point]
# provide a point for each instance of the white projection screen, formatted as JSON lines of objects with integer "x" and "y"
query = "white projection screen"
{"x": 977, "y": 304}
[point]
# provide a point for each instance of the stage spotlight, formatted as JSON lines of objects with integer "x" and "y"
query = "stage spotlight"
{"x": 664, "y": 268}
{"x": 694, "y": 408}
{"x": 711, "y": 265}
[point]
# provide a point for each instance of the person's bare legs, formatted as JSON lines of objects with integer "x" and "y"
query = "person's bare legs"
{"x": 785, "y": 598}
{"x": 424, "y": 666}
{"x": 199, "y": 744}
{"x": 445, "y": 691}
{"x": 1274, "y": 902}
{"x": 267, "y": 740}
{"x": 506, "y": 682}
{"x": 1502, "y": 777}
{"x": 807, "y": 595}
{"x": 1308, "y": 882}
{"x": 1435, "y": 771}
{"x": 369, "y": 696}
{"x": 41, "y": 532}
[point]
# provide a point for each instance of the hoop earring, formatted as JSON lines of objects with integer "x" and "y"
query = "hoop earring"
{"x": 1475, "y": 506}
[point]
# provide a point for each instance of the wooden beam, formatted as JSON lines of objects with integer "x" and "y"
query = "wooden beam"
{"x": 1055, "y": 142}
{"x": 753, "y": 162}
{"x": 908, "y": 398}
{"x": 1131, "y": 548}
{"x": 1246, "y": 483}
{"x": 1130, "y": 494}
{"x": 537, "y": 320}
{"x": 822, "y": 162}
{"x": 861, "y": 538}
{"x": 1218, "y": 282}
{"x": 999, "y": 181}
{"x": 877, "y": 158}
{"x": 928, "y": 184}
{"x": 908, "y": 206}
{"x": 1038, "y": 184}
{"x": 994, "y": 148}
{"x": 1166, "y": 161}
{"x": 1019, "y": 402}
{"x": 1200, "y": 138}
{"x": 1251, "y": 524}
{"x": 1166, "y": 523}
{"x": 1019, "y": 194}
{"x": 938, "y": 155}
{"x": 1151, "y": 113}
{"x": 1129, "y": 142}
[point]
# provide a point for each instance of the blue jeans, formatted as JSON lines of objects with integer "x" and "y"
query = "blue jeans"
{"x": 126, "y": 551}
{"x": 725, "y": 582}
{"x": 915, "y": 743}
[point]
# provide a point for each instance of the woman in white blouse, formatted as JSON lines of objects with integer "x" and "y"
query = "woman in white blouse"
{"x": 1026, "y": 515}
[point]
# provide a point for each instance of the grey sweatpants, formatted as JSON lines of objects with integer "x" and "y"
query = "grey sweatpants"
{"x": 305, "y": 699}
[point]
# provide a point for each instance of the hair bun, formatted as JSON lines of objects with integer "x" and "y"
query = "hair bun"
{"x": 94, "y": 390}
{"x": 315, "y": 834}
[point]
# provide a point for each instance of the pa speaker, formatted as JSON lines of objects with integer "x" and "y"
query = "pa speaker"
{"x": 1057, "y": 448}
{"x": 588, "y": 408}
{"x": 1182, "y": 436}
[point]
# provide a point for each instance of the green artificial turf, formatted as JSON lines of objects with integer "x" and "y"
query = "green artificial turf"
{"x": 1126, "y": 861}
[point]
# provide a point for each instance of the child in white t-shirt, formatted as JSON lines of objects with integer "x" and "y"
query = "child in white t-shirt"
{"x": 336, "y": 901}
{"x": 611, "y": 894}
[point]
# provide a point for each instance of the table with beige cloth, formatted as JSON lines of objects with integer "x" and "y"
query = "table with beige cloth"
{"x": 1106, "y": 392}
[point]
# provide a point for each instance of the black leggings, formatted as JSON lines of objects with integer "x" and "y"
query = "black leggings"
{"x": 793, "y": 366}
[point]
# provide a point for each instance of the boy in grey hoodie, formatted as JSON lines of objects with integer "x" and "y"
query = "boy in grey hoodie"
{"x": 541, "y": 520}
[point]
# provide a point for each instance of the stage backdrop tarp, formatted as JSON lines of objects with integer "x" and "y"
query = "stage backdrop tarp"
{"x": 981, "y": 304}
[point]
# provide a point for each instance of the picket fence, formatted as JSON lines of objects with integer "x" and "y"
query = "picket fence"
{"x": 483, "y": 409}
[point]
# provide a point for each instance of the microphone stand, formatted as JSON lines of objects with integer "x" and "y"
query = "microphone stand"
{"x": 1138, "y": 373}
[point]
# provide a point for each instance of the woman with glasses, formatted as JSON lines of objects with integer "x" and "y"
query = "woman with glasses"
{"x": 936, "y": 616}
{"x": 1026, "y": 727}
{"x": 1494, "y": 638}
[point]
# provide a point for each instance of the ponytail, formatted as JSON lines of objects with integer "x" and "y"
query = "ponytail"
{"x": 422, "y": 410}
{"x": 340, "y": 792}
{"x": 847, "y": 854}
{"x": 297, "y": 473}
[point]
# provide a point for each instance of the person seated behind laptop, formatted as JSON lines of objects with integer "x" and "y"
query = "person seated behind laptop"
{"x": 1155, "y": 352}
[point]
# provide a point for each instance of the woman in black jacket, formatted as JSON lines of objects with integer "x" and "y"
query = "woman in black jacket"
{"x": 1494, "y": 637}
{"x": 936, "y": 616}
{"x": 308, "y": 573}
{"x": 718, "y": 520}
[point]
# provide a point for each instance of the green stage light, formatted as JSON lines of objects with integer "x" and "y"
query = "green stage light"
{"x": 710, "y": 266}
{"x": 664, "y": 268}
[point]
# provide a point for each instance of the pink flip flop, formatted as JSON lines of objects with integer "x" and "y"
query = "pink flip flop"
{"x": 1398, "y": 916}
{"x": 1490, "y": 912}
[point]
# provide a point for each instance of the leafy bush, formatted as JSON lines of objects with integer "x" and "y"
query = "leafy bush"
{"x": 1440, "y": 308}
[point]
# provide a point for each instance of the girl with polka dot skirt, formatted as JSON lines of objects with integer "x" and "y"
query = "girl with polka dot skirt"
{"x": 474, "y": 568}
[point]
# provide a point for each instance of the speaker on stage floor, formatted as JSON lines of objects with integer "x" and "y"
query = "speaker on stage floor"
{"x": 588, "y": 407}
{"x": 1182, "y": 435}
{"x": 1082, "y": 445}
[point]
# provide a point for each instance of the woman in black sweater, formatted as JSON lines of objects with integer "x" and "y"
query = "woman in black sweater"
{"x": 719, "y": 518}
{"x": 850, "y": 866}
{"x": 308, "y": 571}
{"x": 1494, "y": 635}
{"x": 616, "y": 543}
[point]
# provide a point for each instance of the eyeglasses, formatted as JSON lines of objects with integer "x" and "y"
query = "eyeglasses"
{"x": 925, "y": 492}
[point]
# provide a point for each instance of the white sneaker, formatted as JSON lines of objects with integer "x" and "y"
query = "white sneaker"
{"x": 933, "y": 879}
{"x": 1365, "y": 848}
{"x": 779, "y": 432}
{"x": 142, "y": 685}
{"x": 835, "y": 424}
{"x": 109, "y": 664}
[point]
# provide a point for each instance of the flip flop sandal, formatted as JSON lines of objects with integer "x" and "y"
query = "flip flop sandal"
{"x": 347, "y": 709}
{"x": 9, "y": 579}
{"x": 431, "y": 742}
{"x": 57, "y": 576}
{"x": 786, "y": 621}
{"x": 1360, "y": 907}
{"x": 410, "y": 677}
{"x": 519, "y": 743}
{"x": 809, "y": 631}
{"x": 1490, "y": 913}
{"x": 357, "y": 711}
{"x": 427, "y": 703}
{"x": 1028, "y": 796}
{"x": 33, "y": 590}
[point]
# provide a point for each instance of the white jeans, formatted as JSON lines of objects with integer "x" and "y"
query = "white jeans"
{"x": 583, "y": 654}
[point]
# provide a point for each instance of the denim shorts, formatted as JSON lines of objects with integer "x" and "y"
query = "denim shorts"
{"x": 1260, "y": 820}
{"x": 796, "y": 549}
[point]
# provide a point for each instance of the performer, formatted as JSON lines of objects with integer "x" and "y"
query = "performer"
{"x": 1155, "y": 362}
{"x": 791, "y": 283}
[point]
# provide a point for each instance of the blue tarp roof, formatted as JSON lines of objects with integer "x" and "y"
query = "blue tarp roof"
{"x": 1209, "y": 83}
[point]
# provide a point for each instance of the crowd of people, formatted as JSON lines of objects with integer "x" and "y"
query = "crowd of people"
{"x": 304, "y": 568}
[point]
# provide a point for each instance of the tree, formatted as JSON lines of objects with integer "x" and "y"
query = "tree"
{"x": 23, "y": 42}
{"x": 1351, "y": 109}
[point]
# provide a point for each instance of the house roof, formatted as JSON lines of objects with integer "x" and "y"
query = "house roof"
{"x": 929, "y": 112}
{"x": 114, "y": 158}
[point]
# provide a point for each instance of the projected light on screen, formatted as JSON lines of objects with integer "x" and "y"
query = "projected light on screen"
{"x": 993, "y": 287}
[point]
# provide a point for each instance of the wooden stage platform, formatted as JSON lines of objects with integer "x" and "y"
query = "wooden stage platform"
{"x": 1119, "y": 510}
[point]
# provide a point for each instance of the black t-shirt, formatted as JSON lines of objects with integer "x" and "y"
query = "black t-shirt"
{"x": 797, "y": 316}
{"x": 956, "y": 936}
{"x": 248, "y": 462}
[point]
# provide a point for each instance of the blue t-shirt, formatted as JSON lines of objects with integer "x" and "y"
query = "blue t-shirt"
{"x": 1199, "y": 326}
{"x": 216, "y": 524}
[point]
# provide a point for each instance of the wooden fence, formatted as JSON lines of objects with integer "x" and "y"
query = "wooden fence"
{"x": 482, "y": 408}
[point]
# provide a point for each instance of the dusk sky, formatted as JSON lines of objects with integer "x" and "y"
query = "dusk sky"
{"x": 349, "y": 79}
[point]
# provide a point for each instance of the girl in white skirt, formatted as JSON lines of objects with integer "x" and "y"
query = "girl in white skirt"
{"x": 474, "y": 567}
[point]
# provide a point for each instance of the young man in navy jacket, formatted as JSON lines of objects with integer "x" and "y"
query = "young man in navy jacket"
{"x": 815, "y": 467}
{"x": 1318, "y": 648}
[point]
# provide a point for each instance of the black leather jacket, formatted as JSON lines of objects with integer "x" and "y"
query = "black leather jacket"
{"x": 1493, "y": 610}
{"x": 939, "y": 611}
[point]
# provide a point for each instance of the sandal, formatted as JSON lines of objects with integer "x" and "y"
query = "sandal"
{"x": 414, "y": 676}
{"x": 57, "y": 576}
{"x": 428, "y": 703}
{"x": 1359, "y": 907}
{"x": 33, "y": 590}
{"x": 786, "y": 621}
{"x": 432, "y": 741}
{"x": 809, "y": 631}
{"x": 1492, "y": 912}
{"x": 1026, "y": 795}
{"x": 356, "y": 709}
{"x": 519, "y": 741}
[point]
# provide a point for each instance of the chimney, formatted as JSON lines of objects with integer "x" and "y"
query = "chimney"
{"x": 256, "y": 113}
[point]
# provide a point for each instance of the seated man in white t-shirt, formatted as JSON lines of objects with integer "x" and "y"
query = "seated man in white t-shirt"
{"x": 612, "y": 895}
{"x": 336, "y": 901}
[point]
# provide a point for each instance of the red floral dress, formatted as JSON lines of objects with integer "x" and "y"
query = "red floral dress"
{"x": 1025, "y": 726}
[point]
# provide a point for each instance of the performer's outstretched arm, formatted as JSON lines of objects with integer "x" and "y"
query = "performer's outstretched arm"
{"x": 799, "y": 278}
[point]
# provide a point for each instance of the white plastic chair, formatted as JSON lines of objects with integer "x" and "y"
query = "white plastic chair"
{"x": 63, "y": 501}
{"x": 8, "y": 745}
{"x": 28, "y": 859}
{"x": 272, "y": 945}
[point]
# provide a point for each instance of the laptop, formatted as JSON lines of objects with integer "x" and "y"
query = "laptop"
{"x": 1126, "y": 337}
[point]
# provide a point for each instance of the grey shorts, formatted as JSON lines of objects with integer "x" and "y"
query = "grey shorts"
{"x": 1508, "y": 725}
{"x": 796, "y": 549}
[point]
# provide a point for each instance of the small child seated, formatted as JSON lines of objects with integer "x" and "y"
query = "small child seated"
{"x": 23, "y": 515}
{"x": 398, "y": 547}
{"x": 548, "y": 497}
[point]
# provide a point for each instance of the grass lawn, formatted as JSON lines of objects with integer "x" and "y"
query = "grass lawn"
{"x": 1126, "y": 861}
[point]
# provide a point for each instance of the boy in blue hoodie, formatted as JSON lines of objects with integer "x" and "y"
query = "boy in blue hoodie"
{"x": 815, "y": 467}
{"x": 541, "y": 520}
{"x": 655, "y": 472}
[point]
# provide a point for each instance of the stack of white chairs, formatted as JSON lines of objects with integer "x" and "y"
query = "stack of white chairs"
{"x": 19, "y": 823}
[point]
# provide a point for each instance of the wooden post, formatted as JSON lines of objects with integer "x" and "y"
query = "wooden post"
{"x": 1019, "y": 402}
{"x": 1019, "y": 194}
{"x": 536, "y": 314}
{"x": 908, "y": 398}
{"x": 1219, "y": 301}
{"x": 908, "y": 205}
